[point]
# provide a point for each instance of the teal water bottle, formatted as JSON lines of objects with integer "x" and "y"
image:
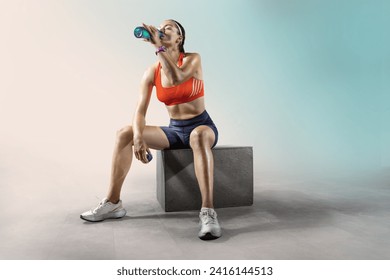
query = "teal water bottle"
{"x": 142, "y": 33}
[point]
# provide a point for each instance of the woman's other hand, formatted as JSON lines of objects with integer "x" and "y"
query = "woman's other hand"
{"x": 140, "y": 150}
{"x": 154, "y": 35}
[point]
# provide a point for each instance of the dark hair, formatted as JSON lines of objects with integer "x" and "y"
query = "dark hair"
{"x": 183, "y": 34}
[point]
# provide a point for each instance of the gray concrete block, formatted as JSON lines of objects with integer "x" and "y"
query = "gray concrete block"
{"x": 177, "y": 186}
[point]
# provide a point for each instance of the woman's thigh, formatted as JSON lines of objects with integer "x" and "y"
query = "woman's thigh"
{"x": 155, "y": 138}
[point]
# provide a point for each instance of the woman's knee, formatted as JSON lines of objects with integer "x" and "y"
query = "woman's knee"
{"x": 125, "y": 134}
{"x": 200, "y": 138}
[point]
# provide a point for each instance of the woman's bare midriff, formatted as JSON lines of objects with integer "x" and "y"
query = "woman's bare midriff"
{"x": 186, "y": 110}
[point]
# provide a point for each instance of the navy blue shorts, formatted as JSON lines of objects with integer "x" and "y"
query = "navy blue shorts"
{"x": 178, "y": 131}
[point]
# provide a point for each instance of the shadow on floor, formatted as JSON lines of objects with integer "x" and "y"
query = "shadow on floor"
{"x": 287, "y": 210}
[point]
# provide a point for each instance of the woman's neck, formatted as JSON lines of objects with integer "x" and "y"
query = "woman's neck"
{"x": 174, "y": 53}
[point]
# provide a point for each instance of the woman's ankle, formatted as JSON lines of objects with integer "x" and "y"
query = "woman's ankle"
{"x": 113, "y": 200}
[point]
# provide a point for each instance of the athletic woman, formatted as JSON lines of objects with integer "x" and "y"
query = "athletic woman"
{"x": 178, "y": 79}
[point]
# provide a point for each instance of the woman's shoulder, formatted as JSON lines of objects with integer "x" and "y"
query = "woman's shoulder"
{"x": 152, "y": 68}
{"x": 192, "y": 57}
{"x": 149, "y": 73}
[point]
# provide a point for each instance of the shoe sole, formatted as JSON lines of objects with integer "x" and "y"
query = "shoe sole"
{"x": 209, "y": 236}
{"x": 115, "y": 215}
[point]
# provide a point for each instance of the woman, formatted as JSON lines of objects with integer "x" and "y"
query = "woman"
{"x": 178, "y": 79}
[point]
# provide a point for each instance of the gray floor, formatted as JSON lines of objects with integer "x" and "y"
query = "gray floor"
{"x": 290, "y": 219}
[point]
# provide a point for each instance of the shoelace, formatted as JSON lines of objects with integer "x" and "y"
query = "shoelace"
{"x": 101, "y": 205}
{"x": 208, "y": 218}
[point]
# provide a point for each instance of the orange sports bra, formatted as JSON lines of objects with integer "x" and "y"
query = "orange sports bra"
{"x": 183, "y": 93}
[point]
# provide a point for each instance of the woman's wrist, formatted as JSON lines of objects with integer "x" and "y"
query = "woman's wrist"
{"x": 137, "y": 136}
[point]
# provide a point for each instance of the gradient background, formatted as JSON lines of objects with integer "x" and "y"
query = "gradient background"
{"x": 303, "y": 82}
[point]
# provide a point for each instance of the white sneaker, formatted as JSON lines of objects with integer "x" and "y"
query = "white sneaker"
{"x": 209, "y": 226}
{"x": 105, "y": 210}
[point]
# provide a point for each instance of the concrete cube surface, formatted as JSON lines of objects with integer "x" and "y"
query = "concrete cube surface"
{"x": 178, "y": 188}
